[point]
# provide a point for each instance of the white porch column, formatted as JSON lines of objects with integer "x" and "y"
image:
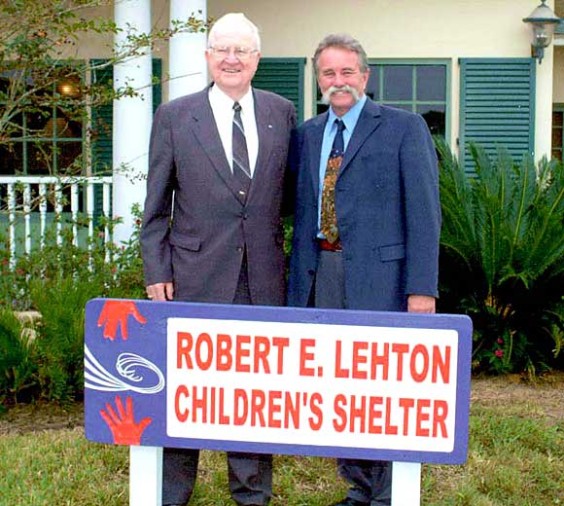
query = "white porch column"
{"x": 132, "y": 117}
{"x": 187, "y": 65}
{"x": 543, "y": 100}
{"x": 543, "y": 105}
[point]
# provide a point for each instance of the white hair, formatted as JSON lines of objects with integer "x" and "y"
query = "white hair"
{"x": 234, "y": 22}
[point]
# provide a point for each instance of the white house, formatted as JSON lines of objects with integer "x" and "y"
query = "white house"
{"x": 466, "y": 66}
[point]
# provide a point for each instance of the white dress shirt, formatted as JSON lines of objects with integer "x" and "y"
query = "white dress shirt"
{"x": 222, "y": 108}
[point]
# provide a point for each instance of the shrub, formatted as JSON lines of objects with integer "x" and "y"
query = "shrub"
{"x": 17, "y": 366}
{"x": 57, "y": 281}
{"x": 60, "y": 346}
{"x": 502, "y": 257}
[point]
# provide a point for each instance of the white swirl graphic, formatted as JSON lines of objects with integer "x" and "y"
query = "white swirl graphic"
{"x": 129, "y": 366}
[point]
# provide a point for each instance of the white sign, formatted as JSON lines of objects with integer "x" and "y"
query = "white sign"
{"x": 312, "y": 384}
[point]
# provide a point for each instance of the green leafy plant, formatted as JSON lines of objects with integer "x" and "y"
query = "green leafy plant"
{"x": 127, "y": 269}
{"x": 60, "y": 345}
{"x": 17, "y": 366}
{"x": 57, "y": 281}
{"x": 502, "y": 257}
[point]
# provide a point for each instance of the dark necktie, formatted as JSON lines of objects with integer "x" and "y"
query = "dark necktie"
{"x": 328, "y": 215}
{"x": 241, "y": 165}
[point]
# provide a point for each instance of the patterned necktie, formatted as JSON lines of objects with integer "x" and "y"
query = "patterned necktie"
{"x": 241, "y": 165}
{"x": 328, "y": 215}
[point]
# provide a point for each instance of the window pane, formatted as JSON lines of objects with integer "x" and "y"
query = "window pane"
{"x": 435, "y": 117}
{"x": 40, "y": 158}
{"x": 557, "y": 118}
{"x": 61, "y": 127}
{"x": 38, "y": 123}
{"x": 557, "y": 137}
{"x": 69, "y": 85}
{"x": 398, "y": 83}
{"x": 70, "y": 119}
{"x": 405, "y": 107}
{"x": 373, "y": 86}
{"x": 14, "y": 127}
{"x": 431, "y": 82}
{"x": 11, "y": 159}
{"x": 69, "y": 158}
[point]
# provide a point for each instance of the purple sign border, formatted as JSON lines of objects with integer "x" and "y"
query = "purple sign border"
{"x": 149, "y": 339}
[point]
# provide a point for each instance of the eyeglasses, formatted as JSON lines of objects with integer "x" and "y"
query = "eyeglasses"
{"x": 241, "y": 53}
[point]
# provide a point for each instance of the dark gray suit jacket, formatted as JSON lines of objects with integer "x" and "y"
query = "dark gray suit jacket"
{"x": 199, "y": 246}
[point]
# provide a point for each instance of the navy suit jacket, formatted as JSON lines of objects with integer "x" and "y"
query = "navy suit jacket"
{"x": 387, "y": 205}
{"x": 196, "y": 225}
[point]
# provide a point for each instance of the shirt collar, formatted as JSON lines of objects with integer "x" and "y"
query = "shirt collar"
{"x": 350, "y": 118}
{"x": 225, "y": 101}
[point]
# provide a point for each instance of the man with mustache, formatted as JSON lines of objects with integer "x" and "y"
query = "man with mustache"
{"x": 367, "y": 215}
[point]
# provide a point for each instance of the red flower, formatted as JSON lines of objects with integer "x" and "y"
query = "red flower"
{"x": 499, "y": 353}
{"x": 499, "y": 340}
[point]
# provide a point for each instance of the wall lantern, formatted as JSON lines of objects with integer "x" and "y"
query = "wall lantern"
{"x": 543, "y": 23}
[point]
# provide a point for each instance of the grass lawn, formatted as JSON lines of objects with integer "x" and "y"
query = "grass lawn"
{"x": 516, "y": 458}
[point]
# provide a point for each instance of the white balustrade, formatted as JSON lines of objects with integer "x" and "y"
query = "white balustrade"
{"x": 29, "y": 205}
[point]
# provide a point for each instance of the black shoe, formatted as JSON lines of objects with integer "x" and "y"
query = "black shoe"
{"x": 350, "y": 502}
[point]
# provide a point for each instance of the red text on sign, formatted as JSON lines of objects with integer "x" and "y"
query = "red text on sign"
{"x": 371, "y": 361}
{"x": 390, "y": 416}
{"x": 254, "y": 408}
{"x": 223, "y": 352}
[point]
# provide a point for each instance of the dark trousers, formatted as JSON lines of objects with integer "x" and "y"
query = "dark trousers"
{"x": 250, "y": 475}
{"x": 370, "y": 480}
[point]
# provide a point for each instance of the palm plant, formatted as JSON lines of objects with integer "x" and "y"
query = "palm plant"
{"x": 502, "y": 257}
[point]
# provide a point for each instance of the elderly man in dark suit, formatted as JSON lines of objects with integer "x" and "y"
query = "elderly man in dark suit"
{"x": 212, "y": 230}
{"x": 367, "y": 216}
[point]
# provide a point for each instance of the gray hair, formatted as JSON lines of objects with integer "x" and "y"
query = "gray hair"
{"x": 234, "y": 22}
{"x": 343, "y": 41}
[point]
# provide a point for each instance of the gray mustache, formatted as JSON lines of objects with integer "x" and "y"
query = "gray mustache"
{"x": 333, "y": 89}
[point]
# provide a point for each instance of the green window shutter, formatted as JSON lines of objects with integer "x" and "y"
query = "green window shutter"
{"x": 157, "y": 83}
{"x": 284, "y": 76}
{"x": 102, "y": 118}
{"x": 497, "y": 106}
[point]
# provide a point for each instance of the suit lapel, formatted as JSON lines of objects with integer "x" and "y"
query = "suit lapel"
{"x": 265, "y": 131}
{"x": 207, "y": 134}
{"x": 314, "y": 143}
{"x": 368, "y": 121}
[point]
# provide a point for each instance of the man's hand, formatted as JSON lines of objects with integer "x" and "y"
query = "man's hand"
{"x": 124, "y": 429}
{"x": 160, "y": 291}
{"x": 114, "y": 314}
{"x": 420, "y": 304}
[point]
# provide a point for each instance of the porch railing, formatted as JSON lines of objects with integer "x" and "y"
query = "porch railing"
{"x": 29, "y": 205}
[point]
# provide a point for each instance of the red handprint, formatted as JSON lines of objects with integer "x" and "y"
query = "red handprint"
{"x": 124, "y": 429}
{"x": 114, "y": 314}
